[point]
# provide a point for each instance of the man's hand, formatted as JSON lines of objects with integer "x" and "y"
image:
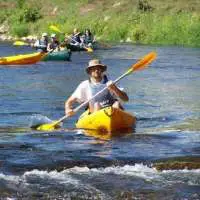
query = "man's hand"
{"x": 111, "y": 86}
{"x": 114, "y": 89}
{"x": 69, "y": 112}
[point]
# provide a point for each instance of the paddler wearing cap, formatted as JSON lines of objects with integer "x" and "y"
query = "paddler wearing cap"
{"x": 42, "y": 43}
{"x": 97, "y": 81}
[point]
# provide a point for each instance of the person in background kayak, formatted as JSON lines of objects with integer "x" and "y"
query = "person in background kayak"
{"x": 54, "y": 45}
{"x": 88, "y": 38}
{"x": 41, "y": 44}
{"x": 75, "y": 38}
{"x": 96, "y": 82}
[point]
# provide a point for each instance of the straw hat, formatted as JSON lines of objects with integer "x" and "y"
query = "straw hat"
{"x": 94, "y": 63}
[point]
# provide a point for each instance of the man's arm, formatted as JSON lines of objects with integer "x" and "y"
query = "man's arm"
{"x": 119, "y": 93}
{"x": 69, "y": 106}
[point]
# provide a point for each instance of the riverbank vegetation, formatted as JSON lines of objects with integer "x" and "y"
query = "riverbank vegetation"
{"x": 138, "y": 21}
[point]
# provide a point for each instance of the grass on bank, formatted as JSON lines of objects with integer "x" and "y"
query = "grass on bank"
{"x": 138, "y": 21}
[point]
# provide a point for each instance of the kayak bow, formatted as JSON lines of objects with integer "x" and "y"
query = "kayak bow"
{"x": 107, "y": 121}
{"x": 22, "y": 59}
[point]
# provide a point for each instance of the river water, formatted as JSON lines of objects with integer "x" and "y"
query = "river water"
{"x": 66, "y": 164}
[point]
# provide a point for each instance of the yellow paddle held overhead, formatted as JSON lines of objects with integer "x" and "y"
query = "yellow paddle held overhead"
{"x": 55, "y": 28}
{"x": 140, "y": 65}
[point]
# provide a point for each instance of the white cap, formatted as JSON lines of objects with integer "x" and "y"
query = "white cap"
{"x": 44, "y": 34}
{"x": 53, "y": 35}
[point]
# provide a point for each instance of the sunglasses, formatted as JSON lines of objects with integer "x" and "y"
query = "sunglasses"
{"x": 96, "y": 68}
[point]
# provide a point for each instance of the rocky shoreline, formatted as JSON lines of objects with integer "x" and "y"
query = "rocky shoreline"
{"x": 9, "y": 38}
{"x": 6, "y": 37}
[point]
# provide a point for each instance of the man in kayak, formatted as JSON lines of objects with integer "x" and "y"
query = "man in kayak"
{"x": 41, "y": 44}
{"x": 96, "y": 82}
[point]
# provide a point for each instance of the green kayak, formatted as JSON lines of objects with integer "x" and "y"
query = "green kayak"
{"x": 80, "y": 48}
{"x": 75, "y": 47}
{"x": 64, "y": 55}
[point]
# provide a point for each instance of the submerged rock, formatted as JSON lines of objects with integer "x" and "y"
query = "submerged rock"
{"x": 178, "y": 163}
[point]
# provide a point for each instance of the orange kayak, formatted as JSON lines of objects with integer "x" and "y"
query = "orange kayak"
{"x": 22, "y": 59}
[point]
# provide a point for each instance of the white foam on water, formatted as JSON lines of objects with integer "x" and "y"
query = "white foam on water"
{"x": 60, "y": 177}
{"x": 55, "y": 175}
{"x": 162, "y": 130}
{"x": 138, "y": 170}
{"x": 39, "y": 119}
{"x": 171, "y": 130}
{"x": 64, "y": 177}
{"x": 190, "y": 177}
{"x": 10, "y": 178}
{"x": 79, "y": 132}
{"x": 78, "y": 170}
{"x": 142, "y": 171}
{"x": 46, "y": 179}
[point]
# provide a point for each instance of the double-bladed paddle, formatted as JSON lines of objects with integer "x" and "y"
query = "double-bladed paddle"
{"x": 140, "y": 65}
{"x": 56, "y": 29}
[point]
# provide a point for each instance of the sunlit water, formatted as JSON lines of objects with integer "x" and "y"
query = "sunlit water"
{"x": 66, "y": 164}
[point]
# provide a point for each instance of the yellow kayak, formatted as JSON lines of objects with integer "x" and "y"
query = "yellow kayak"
{"x": 22, "y": 59}
{"x": 106, "y": 122}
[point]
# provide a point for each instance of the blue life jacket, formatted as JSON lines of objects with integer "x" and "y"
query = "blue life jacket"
{"x": 105, "y": 98}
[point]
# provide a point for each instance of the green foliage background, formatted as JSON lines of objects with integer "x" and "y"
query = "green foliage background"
{"x": 139, "y": 21}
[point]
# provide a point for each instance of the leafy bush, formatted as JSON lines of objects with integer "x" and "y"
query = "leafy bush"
{"x": 31, "y": 14}
{"x": 5, "y": 14}
{"x": 20, "y": 3}
{"x": 20, "y": 30}
{"x": 25, "y": 15}
{"x": 2, "y": 16}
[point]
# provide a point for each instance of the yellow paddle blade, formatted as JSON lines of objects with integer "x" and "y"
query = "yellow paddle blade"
{"x": 89, "y": 49}
{"x": 20, "y": 43}
{"x": 48, "y": 127}
{"x": 55, "y": 28}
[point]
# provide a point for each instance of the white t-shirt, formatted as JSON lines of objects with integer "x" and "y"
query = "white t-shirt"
{"x": 83, "y": 92}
